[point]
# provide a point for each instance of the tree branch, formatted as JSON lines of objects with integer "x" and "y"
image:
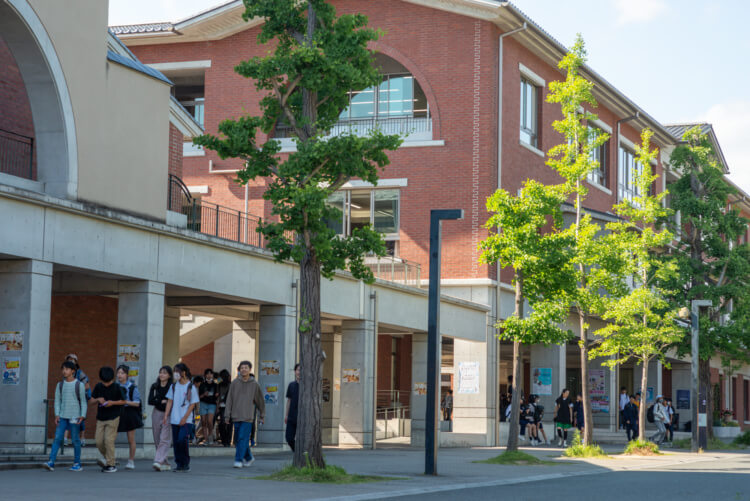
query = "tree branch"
{"x": 314, "y": 171}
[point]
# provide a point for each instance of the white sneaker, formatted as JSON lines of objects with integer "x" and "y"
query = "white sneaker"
{"x": 157, "y": 466}
{"x": 565, "y": 444}
{"x": 130, "y": 465}
{"x": 521, "y": 438}
{"x": 237, "y": 464}
{"x": 165, "y": 467}
{"x": 248, "y": 464}
{"x": 83, "y": 442}
{"x": 101, "y": 462}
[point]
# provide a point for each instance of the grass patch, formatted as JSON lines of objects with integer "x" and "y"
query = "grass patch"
{"x": 714, "y": 444}
{"x": 329, "y": 475}
{"x": 743, "y": 439}
{"x": 682, "y": 443}
{"x": 578, "y": 450}
{"x": 515, "y": 458}
{"x": 640, "y": 447}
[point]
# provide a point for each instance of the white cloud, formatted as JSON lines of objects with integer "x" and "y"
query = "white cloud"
{"x": 147, "y": 11}
{"x": 638, "y": 11}
{"x": 731, "y": 121}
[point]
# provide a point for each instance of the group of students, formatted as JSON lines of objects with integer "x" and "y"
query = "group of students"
{"x": 175, "y": 397}
{"x": 568, "y": 414}
{"x": 661, "y": 413}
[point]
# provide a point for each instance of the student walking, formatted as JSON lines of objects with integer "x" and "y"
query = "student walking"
{"x": 182, "y": 398}
{"x": 209, "y": 392}
{"x": 579, "y": 420}
{"x": 157, "y": 396}
{"x": 131, "y": 418}
{"x": 660, "y": 419}
{"x": 70, "y": 411}
{"x": 83, "y": 378}
{"x": 108, "y": 395}
{"x": 623, "y": 402}
{"x": 630, "y": 415}
{"x": 292, "y": 403}
{"x": 244, "y": 396}
{"x": 670, "y": 424}
{"x": 225, "y": 427}
{"x": 563, "y": 407}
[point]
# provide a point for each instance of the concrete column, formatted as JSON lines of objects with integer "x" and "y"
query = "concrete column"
{"x": 171, "y": 344}
{"x": 548, "y": 357}
{"x": 356, "y": 425}
{"x": 276, "y": 344}
{"x": 614, "y": 399}
{"x": 472, "y": 412}
{"x": 418, "y": 403}
{"x": 239, "y": 345}
{"x": 332, "y": 372}
{"x": 25, "y": 300}
{"x": 140, "y": 321}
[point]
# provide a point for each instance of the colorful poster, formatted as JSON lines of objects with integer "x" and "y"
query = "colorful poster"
{"x": 600, "y": 404}
{"x": 336, "y": 384}
{"x": 468, "y": 377}
{"x": 350, "y": 375}
{"x": 683, "y": 399}
{"x": 133, "y": 372}
{"x": 650, "y": 395}
{"x": 270, "y": 367}
{"x": 11, "y": 370}
{"x": 271, "y": 395}
{"x": 420, "y": 389}
{"x": 541, "y": 383}
{"x": 128, "y": 354}
{"x": 11, "y": 341}
{"x": 598, "y": 391}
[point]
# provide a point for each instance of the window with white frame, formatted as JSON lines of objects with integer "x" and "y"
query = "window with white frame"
{"x": 628, "y": 172}
{"x": 529, "y": 127}
{"x": 377, "y": 208}
{"x": 601, "y": 156}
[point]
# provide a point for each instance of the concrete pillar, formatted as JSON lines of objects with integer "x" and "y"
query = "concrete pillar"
{"x": 548, "y": 357}
{"x": 171, "y": 343}
{"x": 238, "y": 345}
{"x": 356, "y": 425}
{"x": 418, "y": 403}
{"x": 332, "y": 373}
{"x": 25, "y": 300}
{"x": 472, "y": 412}
{"x": 140, "y": 321}
{"x": 276, "y": 348}
{"x": 614, "y": 399}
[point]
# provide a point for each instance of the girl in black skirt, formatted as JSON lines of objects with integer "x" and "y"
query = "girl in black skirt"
{"x": 131, "y": 417}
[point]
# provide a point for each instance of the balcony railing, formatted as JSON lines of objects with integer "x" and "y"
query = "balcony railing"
{"x": 363, "y": 126}
{"x": 16, "y": 154}
{"x": 238, "y": 226}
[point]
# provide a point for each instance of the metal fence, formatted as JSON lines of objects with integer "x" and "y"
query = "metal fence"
{"x": 395, "y": 269}
{"x": 363, "y": 126}
{"x": 16, "y": 154}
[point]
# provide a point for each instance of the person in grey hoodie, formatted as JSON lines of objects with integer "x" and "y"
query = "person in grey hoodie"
{"x": 660, "y": 419}
{"x": 243, "y": 398}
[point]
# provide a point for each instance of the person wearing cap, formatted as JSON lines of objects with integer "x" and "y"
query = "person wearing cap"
{"x": 661, "y": 417}
{"x": 83, "y": 378}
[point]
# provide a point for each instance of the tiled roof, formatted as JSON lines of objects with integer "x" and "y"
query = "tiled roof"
{"x": 142, "y": 28}
{"x": 679, "y": 130}
{"x": 137, "y": 66}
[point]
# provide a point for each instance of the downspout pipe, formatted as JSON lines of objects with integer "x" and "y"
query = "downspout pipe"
{"x": 499, "y": 185}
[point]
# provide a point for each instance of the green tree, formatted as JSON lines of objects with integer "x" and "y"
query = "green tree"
{"x": 640, "y": 321}
{"x": 711, "y": 264}
{"x": 573, "y": 160}
{"x": 528, "y": 237}
{"x": 316, "y": 60}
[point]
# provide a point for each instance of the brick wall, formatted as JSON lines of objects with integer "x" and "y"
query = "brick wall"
{"x": 15, "y": 110}
{"x": 175, "y": 151}
{"x": 200, "y": 360}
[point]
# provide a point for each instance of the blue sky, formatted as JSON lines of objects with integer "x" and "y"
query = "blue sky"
{"x": 680, "y": 60}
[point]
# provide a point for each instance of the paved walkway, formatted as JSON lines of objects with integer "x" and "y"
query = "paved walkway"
{"x": 214, "y": 475}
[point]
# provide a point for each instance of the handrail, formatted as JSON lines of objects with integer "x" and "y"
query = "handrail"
{"x": 16, "y": 155}
{"x": 182, "y": 188}
{"x": 389, "y": 125}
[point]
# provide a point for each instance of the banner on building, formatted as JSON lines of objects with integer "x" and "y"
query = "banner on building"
{"x": 12, "y": 370}
{"x": 468, "y": 377}
{"x": 11, "y": 341}
{"x": 597, "y": 385}
{"x": 541, "y": 383}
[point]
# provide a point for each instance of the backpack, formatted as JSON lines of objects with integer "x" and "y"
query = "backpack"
{"x": 187, "y": 393}
{"x": 650, "y": 414}
{"x": 78, "y": 390}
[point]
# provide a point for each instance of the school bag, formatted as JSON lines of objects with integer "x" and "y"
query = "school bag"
{"x": 650, "y": 414}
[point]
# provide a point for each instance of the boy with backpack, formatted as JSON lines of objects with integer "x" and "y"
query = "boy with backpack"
{"x": 70, "y": 411}
{"x": 108, "y": 395}
{"x": 182, "y": 398}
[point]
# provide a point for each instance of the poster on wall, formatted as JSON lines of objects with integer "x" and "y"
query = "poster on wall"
{"x": 11, "y": 370}
{"x": 133, "y": 372}
{"x": 468, "y": 377}
{"x": 270, "y": 367}
{"x": 683, "y": 399}
{"x": 271, "y": 395}
{"x": 350, "y": 375}
{"x": 336, "y": 384}
{"x": 420, "y": 389}
{"x": 11, "y": 341}
{"x": 541, "y": 383}
{"x": 650, "y": 395}
{"x": 128, "y": 354}
{"x": 598, "y": 391}
{"x": 600, "y": 404}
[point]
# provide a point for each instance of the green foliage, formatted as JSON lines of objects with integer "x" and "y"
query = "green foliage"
{"x": 515, "y": 458}
{"x": 642, "y": 448}
{"x": 682, "y": 443}
{"x": 743, "y": 439}
{"x": 711, "y": 265}
{"x": 307, "y": 77}
{"x": 578, "y": 450}
{"x": 328, "y": 475}
{"x": 640, "y": 320}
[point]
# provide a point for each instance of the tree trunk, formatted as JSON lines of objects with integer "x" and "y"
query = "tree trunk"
{"x": 704, "y": 381}
{"x": 515, "y": 403}
{"x": 588, "y": 420}
{"x": 308, "y": 442}
{"x": 642, "y": 408}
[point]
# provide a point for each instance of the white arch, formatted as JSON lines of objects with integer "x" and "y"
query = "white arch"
{"x": 51, "y": 106}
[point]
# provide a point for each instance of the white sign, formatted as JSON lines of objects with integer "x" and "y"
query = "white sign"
{"x": 468, "y": 377}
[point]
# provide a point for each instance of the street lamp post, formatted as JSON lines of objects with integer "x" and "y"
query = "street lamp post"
{"x": 698, "y": 394}
{"x": 433, "y": 338}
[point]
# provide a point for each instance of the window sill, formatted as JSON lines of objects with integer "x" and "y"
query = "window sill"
{"x": 531, "y": 148}
{"x": 600, "y": 187}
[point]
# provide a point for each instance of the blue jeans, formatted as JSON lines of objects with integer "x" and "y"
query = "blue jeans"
{"x": 242, "y": 431}
{"x": 180, "y": 441}
{"x": 62, "y": 427}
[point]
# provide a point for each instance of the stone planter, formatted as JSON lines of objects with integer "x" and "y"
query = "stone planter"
{"x": 726, "y": 431}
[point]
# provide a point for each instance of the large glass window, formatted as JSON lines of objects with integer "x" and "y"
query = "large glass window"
{"x": 398, "y": 95}
{"x": 190, "y": 92}
{"x": 529, "y": 107}
{"x": 600, "y": 155}
{"x": 377, "y": 208}
{"x": 628, "y": 171}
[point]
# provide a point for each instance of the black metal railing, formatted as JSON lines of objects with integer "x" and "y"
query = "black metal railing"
{"x": 16, "y": 154}
{"x": 363, "y": 126}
